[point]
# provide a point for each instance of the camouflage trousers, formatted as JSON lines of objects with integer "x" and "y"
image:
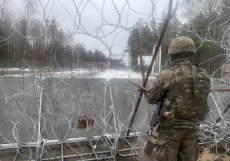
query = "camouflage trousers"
{"x": 176, "y": 145}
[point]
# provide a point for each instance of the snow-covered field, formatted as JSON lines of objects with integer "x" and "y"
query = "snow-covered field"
{"x": 112, "y": 73}
{"x": 75, "y": 73}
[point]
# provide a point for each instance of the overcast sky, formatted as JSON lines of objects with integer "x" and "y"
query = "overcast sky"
{"x": 97, "y": 24}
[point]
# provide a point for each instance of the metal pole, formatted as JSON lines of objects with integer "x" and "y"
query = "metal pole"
{"x": 38, "y": 155}
{"x": 151, "y": 64}
{"x": 140, "y": 55}
{"x": 62, "y": 153}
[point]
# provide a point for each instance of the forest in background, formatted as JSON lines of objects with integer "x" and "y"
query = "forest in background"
{"x": 43, "y": 43}
{"x": 30, "y": 42}
{"x": 207, "y": 22}
{"x": 46, "y": 43}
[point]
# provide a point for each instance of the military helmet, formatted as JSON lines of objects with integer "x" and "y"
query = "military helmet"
{"x": 180, "y": 45}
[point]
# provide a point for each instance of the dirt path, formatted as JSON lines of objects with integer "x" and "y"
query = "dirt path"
{"x": 204, "y": 156}
{"x": 207, "y": 156}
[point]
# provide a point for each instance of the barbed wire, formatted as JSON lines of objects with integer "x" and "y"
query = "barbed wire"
{"x": 79, "y": 113}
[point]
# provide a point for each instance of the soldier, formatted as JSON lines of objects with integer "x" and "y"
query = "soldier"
{"x": 183, "y": 90}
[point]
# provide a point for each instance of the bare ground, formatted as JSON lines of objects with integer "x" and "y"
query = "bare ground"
{"x": 204, "y": 156}
{"x": 207, "y": 156}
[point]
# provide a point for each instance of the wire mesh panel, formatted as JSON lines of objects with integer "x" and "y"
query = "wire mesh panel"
{"x": 65, "y": 67}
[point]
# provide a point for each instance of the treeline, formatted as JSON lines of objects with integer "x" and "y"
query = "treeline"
{"x": 42, "y": 42}
{"x": 206, "y": 22}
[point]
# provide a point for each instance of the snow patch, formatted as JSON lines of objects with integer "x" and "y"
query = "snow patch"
{"x": 112, "y": 73}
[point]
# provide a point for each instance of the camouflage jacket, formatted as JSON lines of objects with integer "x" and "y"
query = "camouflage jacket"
{"x": 162, "y": 89}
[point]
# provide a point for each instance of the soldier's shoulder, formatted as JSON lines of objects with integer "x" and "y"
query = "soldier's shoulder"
{"x": 167, "y": 72}
{"x": 166, "y": 78}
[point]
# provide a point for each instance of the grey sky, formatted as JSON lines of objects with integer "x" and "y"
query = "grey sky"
{"x": 104, "y": 24}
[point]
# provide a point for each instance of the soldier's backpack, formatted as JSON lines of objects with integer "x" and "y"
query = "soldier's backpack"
{"x": 189, "y": 95}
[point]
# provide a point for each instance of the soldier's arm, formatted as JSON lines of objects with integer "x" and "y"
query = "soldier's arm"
{"x": 140, "y": 88}
{"x": 155, "y": 93}
{"x": 161, "y": 85}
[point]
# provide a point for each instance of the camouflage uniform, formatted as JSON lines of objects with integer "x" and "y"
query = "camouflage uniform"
{"x": 177, "y": 131}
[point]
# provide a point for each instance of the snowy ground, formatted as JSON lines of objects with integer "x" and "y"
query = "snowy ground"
{"x": 112, "y": 73}
{"x": 75, "y": 73}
